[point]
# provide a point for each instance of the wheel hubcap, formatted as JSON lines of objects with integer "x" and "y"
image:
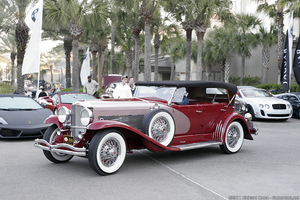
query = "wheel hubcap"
{"x": 109, "y": 152}
{"x": 233, "y": 136}
{"x": 160, "y": 129}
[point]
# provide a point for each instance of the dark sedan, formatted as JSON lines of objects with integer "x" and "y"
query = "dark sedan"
{"x": 21, "y": 116}
{"x": 294, "y": 99}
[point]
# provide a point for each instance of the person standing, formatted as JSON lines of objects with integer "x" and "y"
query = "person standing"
{"x": 132, "y": 85}
{"x": 122, "y": 90}
{"x": 91, "y": 87}
{"x": 28, "y": 93}
{"x": 43, "y": 93}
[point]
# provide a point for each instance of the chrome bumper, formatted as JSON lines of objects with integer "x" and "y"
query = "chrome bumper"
{"x": 60, "y": 148}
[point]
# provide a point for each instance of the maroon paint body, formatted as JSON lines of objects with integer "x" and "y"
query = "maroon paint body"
{"x": 199, "y": 126}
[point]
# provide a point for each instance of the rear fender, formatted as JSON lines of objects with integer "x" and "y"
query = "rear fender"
{"x": 130, "y": 133}
{"x": 225, "y": 121}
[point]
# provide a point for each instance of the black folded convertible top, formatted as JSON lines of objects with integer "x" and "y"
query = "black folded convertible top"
{"x": 207, "y": 84}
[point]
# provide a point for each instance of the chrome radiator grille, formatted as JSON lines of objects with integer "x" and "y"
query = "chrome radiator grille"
{"x": 279, "y": 106}
{"x": 76, "y": 127}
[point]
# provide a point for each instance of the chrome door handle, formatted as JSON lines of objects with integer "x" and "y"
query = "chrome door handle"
{"x": 223, "y": 110}
{"x": 198, "y": 111}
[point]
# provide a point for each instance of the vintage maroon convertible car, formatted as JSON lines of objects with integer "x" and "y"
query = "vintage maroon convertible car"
{"x": 104, "y": 130}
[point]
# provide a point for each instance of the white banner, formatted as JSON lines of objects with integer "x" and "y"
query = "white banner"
{"x": 31, "y": 61}
{"x": 85, "y": 69}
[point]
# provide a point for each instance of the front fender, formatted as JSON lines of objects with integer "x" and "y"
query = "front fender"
{"x": 130, "y": 132}
{"x": 53, "y": 119}
{"x": 221, "y": 128}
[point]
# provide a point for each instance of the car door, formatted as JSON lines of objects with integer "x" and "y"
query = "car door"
{"x": 194, "y": 113}
{"x": 210, "y": 116}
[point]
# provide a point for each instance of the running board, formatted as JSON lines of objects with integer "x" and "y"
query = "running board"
{"x": 184, "y": 147}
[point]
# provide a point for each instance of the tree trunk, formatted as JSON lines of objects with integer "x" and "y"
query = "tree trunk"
{"x": 147, "y": 62}
{"x": 207, "y": 72}
{"x": 136, "y": 69}
{"x": 280, "y": 39}
{"x": 128, "y": 60}
{"x": 68, "y": 50}
{"x": 200, "y": 36}
{"x": 94, "y": 48}
{"x": 172, "y": 76}
{"x": 51, "y": 72}
{"x": 112, "y": 54}
{"x": 13, "y": 58}
{"x": 243, "y": 67}
{"x": 101, "y": 62}
{"x": 227, "y": 70}
{"x": 156, "y": 65}
{"x": 188, "y": 54}
{"x": 265, "y": 62}
{"x": 156, "y": 47}
{"x": 222, "y": 67}
{"x": 94, "y": 64}
{"x": 75, "y": 68}
{"x": 133, "y": 59}
{"x": 21, "y": 34}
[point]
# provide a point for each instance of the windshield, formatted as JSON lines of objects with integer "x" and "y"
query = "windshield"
{"x": 251, "y": 93}
{"x": 71, "y": 98}
{"x": 18, "y": 103}
{"x": 165, "y": 93}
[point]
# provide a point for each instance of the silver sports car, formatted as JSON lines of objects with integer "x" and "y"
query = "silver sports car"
{"x": 21, "y": 116}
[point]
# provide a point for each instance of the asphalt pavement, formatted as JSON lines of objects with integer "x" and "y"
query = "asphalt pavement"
{"x": 266, "y": 168}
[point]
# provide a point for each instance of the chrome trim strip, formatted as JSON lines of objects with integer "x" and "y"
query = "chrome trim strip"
{"x": 83, "y": 127}
{"x": 43, "y": 144}
{"x": 197, "y": 145}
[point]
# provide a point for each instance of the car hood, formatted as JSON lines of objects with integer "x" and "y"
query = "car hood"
{"x": 25, "y": 116}
{"x": 264, "y": 100}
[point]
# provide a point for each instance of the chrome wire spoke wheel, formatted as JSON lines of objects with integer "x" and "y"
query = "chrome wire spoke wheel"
{"x": 110, "y": 152}
{"x": 55, "y": 157}
{"x": 160, "y": 129}
{"x": 234, "y": 138}
{"x": 107, "y": 151}
{"x": 159, "y": 125}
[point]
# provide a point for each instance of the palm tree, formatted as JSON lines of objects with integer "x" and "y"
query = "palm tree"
{"x": 147, "y": 9}
{"x": 162, "y": 34}
{"x": 245, "y": 23}
{"x": 204, "y": 11}
{"x": 14, "y": 10}
{"x": 72, "y": 14}
{"x": 136, "y": 24}
{"x": 276, "y": 11}
{"x": 184, "y": 12}
{"x": 223, "y": 45}
{"x": 8, "y": 45}
{"x": 267, "y": 39}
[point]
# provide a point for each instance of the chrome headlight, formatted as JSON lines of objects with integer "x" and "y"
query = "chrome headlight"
{"x": 248, "y": 117}
{"x": 86, "y": 116}
{"x": 63, "y": 114}
{"x": 267, "y": 106}
{"x": 243, "y": 107}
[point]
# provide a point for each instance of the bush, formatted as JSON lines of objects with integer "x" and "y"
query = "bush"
{"x": 277, "y": 88}
{"x": 247, "y": 80}
{"x": 235, "y": 80}
{"x": 5, "y": 89}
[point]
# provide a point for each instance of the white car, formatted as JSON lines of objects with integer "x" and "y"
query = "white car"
{"x": 262, "y": 104}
